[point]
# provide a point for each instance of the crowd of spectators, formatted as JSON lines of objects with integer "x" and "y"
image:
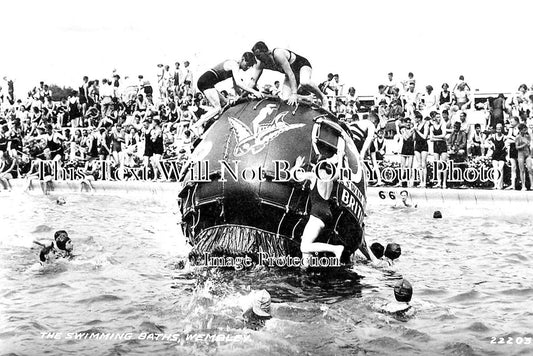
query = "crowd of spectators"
{"x": 430, "y": 124}
{"x": 132, "y": 123}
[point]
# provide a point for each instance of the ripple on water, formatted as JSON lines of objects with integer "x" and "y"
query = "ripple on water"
{"x": 518, "y": 292}
{"x": 478, "y": 327}
{"x": 468, "y": 296}
{"x": 150, "y": 327}
{"x": 100, "y": 298}
{"x": 459, "y": 349}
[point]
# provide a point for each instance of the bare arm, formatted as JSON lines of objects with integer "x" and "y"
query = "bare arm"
{"x": 281, "y": 58}
{"x": 237, "y": 80}
{"x": 370, "y": 135}
{"x": 257, "y": 71}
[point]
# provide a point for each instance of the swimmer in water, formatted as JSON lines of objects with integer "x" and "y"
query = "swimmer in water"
{"x": 403, "y": 292}
{"x": 256, "y": 309}
{"x": 406, "y": 201}
{"x": 61, "y": 247}
{"x": 384, "y": 257}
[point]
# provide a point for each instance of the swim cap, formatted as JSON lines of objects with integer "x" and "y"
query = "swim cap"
{"x": 261, "y": 304}
{"x": 377, "y": 249}
{"x": 393, "y": 251}
{"x": 61, "y": 238}
{"x": 403, "y": 291}
{"x": 437, "y": 215}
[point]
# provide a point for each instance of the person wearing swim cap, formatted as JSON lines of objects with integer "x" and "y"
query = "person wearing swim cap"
{"x": 63, "y": 243}
{"x": 322, "y": 178}
{"x": 403, "y": 292}
{"x": 61, "y": 247}
{"x": 256, "y": 309}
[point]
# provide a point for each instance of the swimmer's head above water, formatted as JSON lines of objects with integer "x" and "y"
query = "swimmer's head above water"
{"x": 47, "y": 254}
{"x": 403, "y": 291}
{"x": 63, "y": 241}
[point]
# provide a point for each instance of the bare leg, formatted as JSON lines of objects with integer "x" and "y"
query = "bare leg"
{"x": 529, "y": 164}
{"x": 423, "y": 170}
{"x": 522, "y": 169}
{"x": 308, "y": 84}
{"x": 311, "y": 231}
{"x": 444, "y": 158}
{"x": 513, "y": 174}
{"x": 213, "y": 97}
{"x": 375, "y": 168}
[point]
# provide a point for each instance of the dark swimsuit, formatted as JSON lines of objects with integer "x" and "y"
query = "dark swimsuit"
{"x": 499, "y": 149}
{"x": 439, "y": 146}
{"x": 376, "y": 147}
{"x": 213, "y": 76}
{"x": 421, "y": 144}
{"x": 55, "y": 148}
{"x": 476, "y": 150}
{"x": 513, "y": 153}
{"x": 320, "y": 207}
{"x": 298, "y": 63}
{"x": 408, "y": 147}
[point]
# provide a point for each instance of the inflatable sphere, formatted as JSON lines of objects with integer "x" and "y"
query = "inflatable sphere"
{"x": 237, "y": 198}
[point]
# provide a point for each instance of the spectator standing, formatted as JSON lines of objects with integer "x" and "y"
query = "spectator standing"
{"x": 106, "y": 95}
{"x": 496, "y": 111}
{"x": 523, "y": 143}
{"x": 499, "y": 154}
{"x": 187, "y": 75}
{"x": 428, "y": 101}
{"x": 440, "y": 148}
{"x": 408, "y": 152}
{"x": 421, "y": 131}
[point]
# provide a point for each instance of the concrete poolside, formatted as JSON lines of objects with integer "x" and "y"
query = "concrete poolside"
{"x": 375, "y": 195}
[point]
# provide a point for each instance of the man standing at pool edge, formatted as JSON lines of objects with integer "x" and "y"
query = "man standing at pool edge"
{"x": 296, "y": 68}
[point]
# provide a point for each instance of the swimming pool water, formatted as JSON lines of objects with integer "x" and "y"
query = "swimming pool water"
{"x": 471, "y": 274}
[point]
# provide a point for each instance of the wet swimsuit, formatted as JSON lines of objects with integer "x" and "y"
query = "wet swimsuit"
{"x": 421, "y": 144}
{"x": 320, "y": 207}
{"x": 296, "y": 66}
{"x": 499, "y": 149}
{"x": 213, "y": 76}
{"x": 439, "y": 146}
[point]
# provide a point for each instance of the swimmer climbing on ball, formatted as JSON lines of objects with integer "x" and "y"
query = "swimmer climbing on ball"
{"x": 321, "y": 190}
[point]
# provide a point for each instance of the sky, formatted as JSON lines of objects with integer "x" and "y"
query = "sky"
{"x": 489, "y": 42}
